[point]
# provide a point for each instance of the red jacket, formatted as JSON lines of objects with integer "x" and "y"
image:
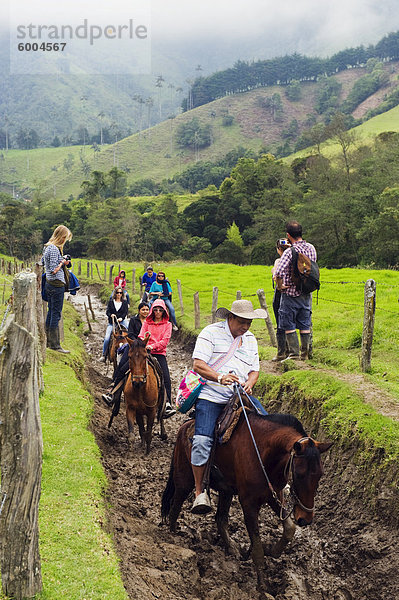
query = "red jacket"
{"x": 120, "y": 281}
{"x": 160, "y": 332}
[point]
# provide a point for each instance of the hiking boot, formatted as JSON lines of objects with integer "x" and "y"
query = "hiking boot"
{"x": 169, "y": 411}
{"x": 175, "y": 328}
{"x": 108, "y": 399}
{"x": 280, "y": 335}
{"x": 305, "y": 342}
{"x": 102, "y": 359}
{"x": 202, "y": 504}
{"x": 293, "y": 345}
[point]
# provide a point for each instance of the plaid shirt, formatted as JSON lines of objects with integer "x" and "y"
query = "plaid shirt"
{"x": 51, "y": 259}
{"x": 284, "y": 268}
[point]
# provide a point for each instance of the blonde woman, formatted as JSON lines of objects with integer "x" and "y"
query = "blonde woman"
{"x": 55, "y": 266}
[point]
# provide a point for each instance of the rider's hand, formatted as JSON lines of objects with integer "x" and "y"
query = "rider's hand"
{"x": 229, "y": 378}
{"x": 247, "y": 388}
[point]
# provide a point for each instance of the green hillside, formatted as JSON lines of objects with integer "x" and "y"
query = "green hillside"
{"x": 153, "y": 153}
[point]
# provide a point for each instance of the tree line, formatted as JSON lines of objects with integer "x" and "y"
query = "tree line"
{"x": 245, "y": 76}
{"x": 349, "y": 208}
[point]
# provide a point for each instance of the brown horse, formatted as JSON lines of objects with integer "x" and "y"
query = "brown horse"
{"x": 118, "y": 337}
{"x": 144, "y": 393}
{"x": 285, "y": 454}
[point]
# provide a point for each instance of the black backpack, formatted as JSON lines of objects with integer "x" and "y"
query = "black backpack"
{"x": 305, "y": 273}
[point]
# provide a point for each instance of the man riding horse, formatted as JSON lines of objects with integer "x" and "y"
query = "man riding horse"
{"x": 225, "y": 352}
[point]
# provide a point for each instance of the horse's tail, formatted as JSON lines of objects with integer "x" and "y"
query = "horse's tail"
{"x": 168, "y": 492}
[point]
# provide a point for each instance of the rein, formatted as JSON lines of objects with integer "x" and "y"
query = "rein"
{"x": 288, "y": 470}
{"x": 142, "y": 379}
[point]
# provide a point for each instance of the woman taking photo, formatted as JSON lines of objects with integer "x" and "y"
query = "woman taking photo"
{"x": 162, "y": 290}
{"x": 158, "y": 325}
{"x": 56, "y": 283}
{"x": 117, "y": 310}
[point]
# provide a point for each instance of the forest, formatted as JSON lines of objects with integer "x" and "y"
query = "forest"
{"x": 349, "y": 209}
{"x": 245, "y": 76}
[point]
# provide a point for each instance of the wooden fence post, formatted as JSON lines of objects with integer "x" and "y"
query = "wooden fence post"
{"x": 79, "y": 268}
{"x": 91, "y": 270}
{"x": 178, "y": 282}
{"x": 110, "y": 274}
{"x": 91, "y": 307}
{"x": 197, "y": 319}
{"x": 368, "y": 324}
{"x": 40, "y": 315}
{"x": 215, "y": 292}
{"x": 268, "y": 321}
{"x": 88, "y": 270}
{"x": 105, "y": 271}
{"x": 87, "y": 317}
{"x": 21, "y": 445}
{"x": 133, "y": 281}
{"x": 238, "y": 295}
{"x": 98, "y": 272}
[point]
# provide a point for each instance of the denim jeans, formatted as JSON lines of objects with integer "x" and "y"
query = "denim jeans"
{"x": 55, "y": 302}
{"x": 206, "y": 414}
{"x": 295, "y": 312}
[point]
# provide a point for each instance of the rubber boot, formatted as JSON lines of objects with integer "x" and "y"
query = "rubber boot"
{"x": 280, "y": 335}
{"x": 293, "y": 345}
{"x": 305, "y": 341}
{"x": 47, "y": 340}
{"x": 54, "y": 340}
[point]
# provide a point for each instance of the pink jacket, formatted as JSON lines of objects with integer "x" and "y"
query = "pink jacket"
{"x": 120, "y": 281}
{"x": 160, "y": 332}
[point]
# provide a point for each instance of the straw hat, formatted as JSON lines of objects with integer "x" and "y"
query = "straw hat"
{"x": 243, "y": 309}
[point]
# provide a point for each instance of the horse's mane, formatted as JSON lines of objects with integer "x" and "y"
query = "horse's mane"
{"x": 284, "y": 419}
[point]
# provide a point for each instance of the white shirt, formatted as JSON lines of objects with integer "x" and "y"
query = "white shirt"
{"x": 213, "y": 342}
{"x": 117, "y": 304}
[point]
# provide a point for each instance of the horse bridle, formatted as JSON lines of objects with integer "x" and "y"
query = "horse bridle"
{"x": 140, "y": 378}
{"x": 288, "y": 470}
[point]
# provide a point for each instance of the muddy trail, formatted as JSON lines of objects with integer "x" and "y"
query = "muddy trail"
{"x": 344, "y": 555}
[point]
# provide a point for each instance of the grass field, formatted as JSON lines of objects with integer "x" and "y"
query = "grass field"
{"x": 337, "y": 313}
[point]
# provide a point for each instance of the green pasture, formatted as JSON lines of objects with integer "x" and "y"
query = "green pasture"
{"x": 78, "y": 558}
{"x": 337, "y": 312}
{"x": 365, "y": 135}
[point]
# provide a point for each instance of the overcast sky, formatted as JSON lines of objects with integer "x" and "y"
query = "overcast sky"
{"x": 250, "y": 29}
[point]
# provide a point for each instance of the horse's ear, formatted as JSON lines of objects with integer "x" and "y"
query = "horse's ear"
{"x": 129, "y": 341}
{"x": 323, "y": 446}
{"x": 146, "y": 337}
{"x": 297, "y": 447}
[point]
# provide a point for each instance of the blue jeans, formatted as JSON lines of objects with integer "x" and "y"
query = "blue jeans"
{"x": 55, "y": 302}
{"x": 295, "y": 312}
{"x": 206, "y": 415}
{"x": 108, "y": 332}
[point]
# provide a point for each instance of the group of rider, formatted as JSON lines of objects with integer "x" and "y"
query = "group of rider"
{"x": 225, "y": 352}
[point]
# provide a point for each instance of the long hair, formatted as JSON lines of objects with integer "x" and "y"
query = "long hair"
{"x": 61, "y": 234}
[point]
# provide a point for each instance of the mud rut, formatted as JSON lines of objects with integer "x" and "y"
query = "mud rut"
{"x": 343, "y": 556}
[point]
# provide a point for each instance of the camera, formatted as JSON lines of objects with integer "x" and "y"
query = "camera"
{"x": 68, "y": 258}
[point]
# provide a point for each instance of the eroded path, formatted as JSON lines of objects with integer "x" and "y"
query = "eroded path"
{"x": 343, "y": 556}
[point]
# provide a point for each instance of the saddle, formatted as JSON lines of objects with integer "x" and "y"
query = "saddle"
{"x": 226, "y": 422}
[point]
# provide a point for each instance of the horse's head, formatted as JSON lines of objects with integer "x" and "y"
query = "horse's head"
{"x": 138, "y": 360}
{"x": 306, "y": 471}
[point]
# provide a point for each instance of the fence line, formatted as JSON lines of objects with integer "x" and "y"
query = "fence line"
{"x": 22, "y": 444}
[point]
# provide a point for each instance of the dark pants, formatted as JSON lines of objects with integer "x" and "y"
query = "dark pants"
{"x": 55, "y": 301}
{"x": 166, "y": 375}
{"x": 276, "y": 306}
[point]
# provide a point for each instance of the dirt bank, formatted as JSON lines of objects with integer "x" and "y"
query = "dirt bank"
{"x": 343, "y": 556}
